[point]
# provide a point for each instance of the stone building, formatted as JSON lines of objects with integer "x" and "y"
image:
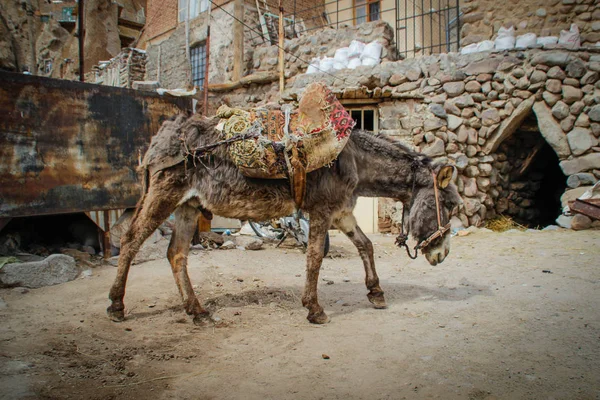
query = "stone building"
{"x": 40, "y": 36}
{"x": 520, "y": 125}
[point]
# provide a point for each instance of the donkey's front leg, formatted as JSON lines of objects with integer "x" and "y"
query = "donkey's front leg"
{"x": 319, "y": 224}
{"x": 347, "y": 224}
{"x": 185, "y": 227}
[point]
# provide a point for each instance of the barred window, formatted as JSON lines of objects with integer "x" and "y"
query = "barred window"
{"x": 198, "y": 55}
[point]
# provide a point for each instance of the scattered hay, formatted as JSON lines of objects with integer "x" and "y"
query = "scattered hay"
{"x": 504, "y": 223}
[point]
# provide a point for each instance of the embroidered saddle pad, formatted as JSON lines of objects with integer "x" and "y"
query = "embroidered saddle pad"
{"x": 288, "y": 143}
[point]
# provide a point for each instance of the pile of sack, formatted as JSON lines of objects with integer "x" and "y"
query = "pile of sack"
{"x": 506, "y": 40}
{"x": 353, "y": 56}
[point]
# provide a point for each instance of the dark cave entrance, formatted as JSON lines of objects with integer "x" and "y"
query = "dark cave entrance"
{"x": 531, "y": 177}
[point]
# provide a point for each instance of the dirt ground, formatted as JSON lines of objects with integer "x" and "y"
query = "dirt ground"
{"x": 506, "y": 316}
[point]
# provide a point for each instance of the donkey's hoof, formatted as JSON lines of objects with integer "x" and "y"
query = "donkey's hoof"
{"x": 115, "y": 315}
{"x": 377, "y": 300}
{"x": 318, "y": 318}
{"x": 203, "y": 319}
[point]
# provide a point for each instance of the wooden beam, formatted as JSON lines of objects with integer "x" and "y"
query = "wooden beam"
{"x": 260, "y": 78}
{"x": 530, "y": 158}
{"x": 586, "y": 207}
{"x": 281, "y": 56}
{"x": 238, "y": 41}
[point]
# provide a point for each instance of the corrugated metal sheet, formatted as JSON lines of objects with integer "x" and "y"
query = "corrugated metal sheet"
{"x": 71, "y": 147}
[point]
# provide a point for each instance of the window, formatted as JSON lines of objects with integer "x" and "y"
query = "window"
{"x": 68, "y": 14}
{"x": 366, "y": 10}
{"x": 365, "y": 118}
{"x": 196, "y": 7}
{"x": 198, "y": 55}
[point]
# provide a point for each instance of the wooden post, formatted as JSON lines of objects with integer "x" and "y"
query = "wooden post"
{"x": 281, "y": 57}
{"x": 203, "y": 224}
{"x": 81, "y": 36}
{"x": 238, "y": 41}
{"x": 207, "y": 63}
{"x": 106, "y": 235}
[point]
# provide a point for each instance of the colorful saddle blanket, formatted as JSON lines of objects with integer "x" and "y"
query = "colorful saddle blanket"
{"x": 288, "y": 143}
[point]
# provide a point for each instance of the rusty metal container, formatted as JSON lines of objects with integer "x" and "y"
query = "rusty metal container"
{"x": 68, "y": 146}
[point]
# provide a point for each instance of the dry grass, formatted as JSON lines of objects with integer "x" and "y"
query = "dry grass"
{"x": 503, "y": 223}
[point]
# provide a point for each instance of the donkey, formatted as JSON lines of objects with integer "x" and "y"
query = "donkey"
{"x": 176, "y": 181}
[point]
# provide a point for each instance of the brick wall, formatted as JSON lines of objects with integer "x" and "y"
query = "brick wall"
{"x": 161, "y": 17}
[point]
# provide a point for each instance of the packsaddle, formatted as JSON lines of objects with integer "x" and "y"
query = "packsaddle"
{"x": 288, "y": 143}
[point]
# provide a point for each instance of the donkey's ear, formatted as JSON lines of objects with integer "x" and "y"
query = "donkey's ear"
{"x": 444, "y": 176}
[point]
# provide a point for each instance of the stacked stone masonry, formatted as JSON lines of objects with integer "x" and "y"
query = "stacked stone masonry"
{"x": 461, "y": 109}
{"x": 482, "y": 19}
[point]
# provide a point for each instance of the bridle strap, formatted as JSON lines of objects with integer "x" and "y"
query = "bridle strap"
{"x": 437, "y": 200}
{"x": 402, "y": 239}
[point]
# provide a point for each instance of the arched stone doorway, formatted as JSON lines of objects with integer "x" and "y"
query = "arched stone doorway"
{"x": 528, "y": 149}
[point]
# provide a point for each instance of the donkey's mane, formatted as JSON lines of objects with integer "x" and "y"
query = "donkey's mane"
{"x": 389, "y": 147}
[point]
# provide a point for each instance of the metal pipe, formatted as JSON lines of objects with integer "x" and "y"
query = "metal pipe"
{"x": 81, "y": 34}
{"x": 207, "y": 63}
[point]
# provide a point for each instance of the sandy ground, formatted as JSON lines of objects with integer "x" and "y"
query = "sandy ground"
{"x": 488, "y": 323}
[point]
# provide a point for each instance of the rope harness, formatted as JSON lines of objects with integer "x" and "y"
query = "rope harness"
{"x": 402, "y": 239}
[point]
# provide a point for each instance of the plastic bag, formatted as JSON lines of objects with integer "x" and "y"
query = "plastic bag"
{"x": 570, "y": 38}
{"x": 472, "y": 48}
{"x": 544, "y": 40}
{"x": 505, "y": 39}
{"x": 526, "y": 40}
{"x": 369, "y": 61}
{"x": 486, "y": 45}
{"x": 372, "y": 50}
{"x": 355, "y": 49}
{"x": 326, "y": 64}
{"x": 314, "y": 66}
{"x": 354, "y": 62}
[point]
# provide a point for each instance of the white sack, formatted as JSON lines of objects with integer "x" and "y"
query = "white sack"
{"x": 526, "y": 40}
{"x": 355, "y": 49}
{"x": 505, "y": 39}
{"x": 570, "y": 38}
{"x": 326, "y": 64}
{"x": 369, "y": 61}
{"x": 486, "y": 45}
{"x": 314, "y": 66}
{"x": 544, "y": 40}
{"x": 372, "y": 50}
{"x": 472, "y": 48}
{"x": 354, "y": 62}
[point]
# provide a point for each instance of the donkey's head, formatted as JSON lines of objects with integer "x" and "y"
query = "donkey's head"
{"x": 423, "y": 221}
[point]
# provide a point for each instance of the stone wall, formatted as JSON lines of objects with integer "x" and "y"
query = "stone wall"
{"x": 482, "y": 19}
{"x": 175, "y": 70}
{"x": 462, "y": 108}
{"x": 321, "y": 43}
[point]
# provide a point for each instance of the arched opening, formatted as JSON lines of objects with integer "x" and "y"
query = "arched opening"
{"x": 47, "y": 234}
{"x": 530, "y": 176}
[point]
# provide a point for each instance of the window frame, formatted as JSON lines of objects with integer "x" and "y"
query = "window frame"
{"x": 197, "y": 8}
{"x": 362, "y": 109}
{"x": 198, "y": 53}
{"x": 365, "y": 4}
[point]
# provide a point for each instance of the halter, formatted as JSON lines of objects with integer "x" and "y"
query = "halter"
{"x": 402, "y": 238}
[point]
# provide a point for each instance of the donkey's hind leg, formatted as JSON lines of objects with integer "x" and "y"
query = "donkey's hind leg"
{"x": 347, "y": 224}
{"x": 185, "y": 227}
{"x": 156, "y": 206}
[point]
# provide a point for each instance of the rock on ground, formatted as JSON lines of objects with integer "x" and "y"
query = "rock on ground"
{"x": 54, "y": 270}
{"x": 249, "y": 243}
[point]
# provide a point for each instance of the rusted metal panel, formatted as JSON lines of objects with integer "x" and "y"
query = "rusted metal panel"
{"x": 68, "y": 146}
